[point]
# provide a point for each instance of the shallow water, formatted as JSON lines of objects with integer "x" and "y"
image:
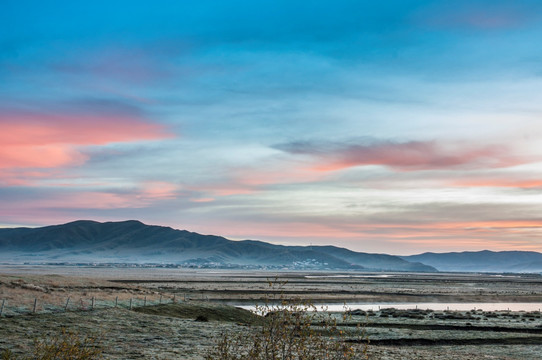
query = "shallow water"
{"x": 427, "y": 306}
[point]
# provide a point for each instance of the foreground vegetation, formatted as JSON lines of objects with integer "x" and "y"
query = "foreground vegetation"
{"x": 64, "y": 346}
{"x": 190, "y": 329}
{"x": 280, "y": 330}
{"x": 293, "y": 330}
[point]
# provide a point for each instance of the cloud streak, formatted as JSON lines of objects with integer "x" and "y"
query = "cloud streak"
{"x": 403, "y": 156}
{"x": 31, "y": 128}
{"x": 37, "y": 140}
{"x": 500, "y": 183}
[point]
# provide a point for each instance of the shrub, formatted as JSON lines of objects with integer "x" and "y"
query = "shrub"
{"x": 64, "y": 346}
{"x": 7, "y": 355}
{"x": 293, "y": 330}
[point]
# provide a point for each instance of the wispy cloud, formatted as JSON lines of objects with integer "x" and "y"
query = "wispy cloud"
{"x": 39, "y": 204}
{"x": 403, "y": 156}
{"x": 38, "y": 140}
{"x": 502, "y": 182}
{"x": 159, "y": 190}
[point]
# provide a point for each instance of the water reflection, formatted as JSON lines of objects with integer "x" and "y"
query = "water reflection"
{"x": 427, "y": 306}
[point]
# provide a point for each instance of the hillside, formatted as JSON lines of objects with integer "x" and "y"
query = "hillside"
{"x": 482, "y": 261}
{"x": 133, "y": 241}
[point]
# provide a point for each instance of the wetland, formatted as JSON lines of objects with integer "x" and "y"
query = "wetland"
{"x": 151, "y": 313}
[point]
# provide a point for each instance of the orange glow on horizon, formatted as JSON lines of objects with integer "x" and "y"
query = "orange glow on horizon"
{"x": 504, "y": 183}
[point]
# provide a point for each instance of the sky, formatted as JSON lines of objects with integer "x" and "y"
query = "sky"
{"x": 393, "y": 127}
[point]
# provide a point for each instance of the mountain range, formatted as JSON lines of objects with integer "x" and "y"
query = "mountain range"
{"x": 132, "y": 241}
{"x": 482, "y": 261}
{"x": 86, "y": 241}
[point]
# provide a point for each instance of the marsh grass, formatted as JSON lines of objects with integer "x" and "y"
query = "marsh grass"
{"x": 293, "y": 330}
{"x": 64, "y": 346}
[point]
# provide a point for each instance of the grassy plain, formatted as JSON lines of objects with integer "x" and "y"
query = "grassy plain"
{"x": 170, "y": 331}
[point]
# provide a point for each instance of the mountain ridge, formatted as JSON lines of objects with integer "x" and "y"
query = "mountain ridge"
{"x": 133, "y": 241}
{"x": 482, "y": 261}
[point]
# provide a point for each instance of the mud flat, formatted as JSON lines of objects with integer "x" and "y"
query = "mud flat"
{"x": 170, "y": 331}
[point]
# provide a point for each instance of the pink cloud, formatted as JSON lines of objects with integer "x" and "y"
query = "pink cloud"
{"x": 202, "y": 200}
{"x": 39, "y": 156}
{"x": 251, "y": 180}
{"x": 484, "y": 225}
{"x": 39, "y": 129}
{"x": 70, "y": 200}
{"x": 159, "y": 190}
{"x": 145, "y": 195}
{"x": 46, "y": 141}
{"x": 263, "y": 230}
{"x": 403, "y": 237}
{"x": 504, "y": 183}
{"x": 406, "y": 156}
{"x": 20, "y": 177}
{"x": 227, "y": 188}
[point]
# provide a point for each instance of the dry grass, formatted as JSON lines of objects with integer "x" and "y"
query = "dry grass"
{"x": 63, "y": 346}
{"x": 292, "y": 330}
{"x": 170, "y": 333}
{"x": 210, "y": 312}
{"x": 54, "y": 290}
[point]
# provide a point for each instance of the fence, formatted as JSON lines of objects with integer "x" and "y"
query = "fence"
{"x": 77, "y": 303}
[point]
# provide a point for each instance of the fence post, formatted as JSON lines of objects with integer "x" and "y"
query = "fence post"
{"x": 116, "y": 301}
{"x": 174, "y": 298}
{"x": 92, "y": 307}
{"x": 2, "y": 308}
{"x": 35, "y": 303}
{"x": 67, "y": 303}
{"x": 130, "y": 303}
{"x": 145, "y": 301}
{"x": 160, "y": 298}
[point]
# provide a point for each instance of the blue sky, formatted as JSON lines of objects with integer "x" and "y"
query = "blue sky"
{"x": 398, "y": 127}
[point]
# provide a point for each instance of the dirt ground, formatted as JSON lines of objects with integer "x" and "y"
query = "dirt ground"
{"x": 171, "y": 331}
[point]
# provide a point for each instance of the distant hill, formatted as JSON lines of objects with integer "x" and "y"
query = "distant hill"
{"x": 482, "y": 261}
{"x": 135, "y": 242}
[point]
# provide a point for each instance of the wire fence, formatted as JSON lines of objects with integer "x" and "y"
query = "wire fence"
{"x": 10, "y": 307}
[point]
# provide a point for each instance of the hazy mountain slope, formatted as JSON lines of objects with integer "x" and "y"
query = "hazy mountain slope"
{"x": 133, "y": 241}
{"x": 482, "y": 261}
{"x": 380, "y": 261}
